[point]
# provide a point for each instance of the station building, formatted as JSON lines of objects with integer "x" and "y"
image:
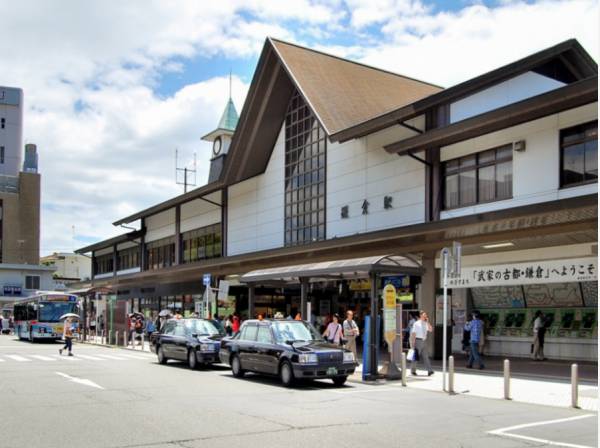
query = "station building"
{"x": 331, "y": 161}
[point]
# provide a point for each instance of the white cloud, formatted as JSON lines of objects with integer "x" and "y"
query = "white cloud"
{"x": 106, "y": 138}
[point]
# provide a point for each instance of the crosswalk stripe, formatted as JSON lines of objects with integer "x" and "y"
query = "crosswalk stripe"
{"x": 66, "y": 358}
{"x": 118, "y": 358}
{"x": 18, "y": 358}
{"x": 134, "y": 356}
{"x": 91, "y": 358}
{"x": 1, "y": 360}
{"x": 42, "y": 357}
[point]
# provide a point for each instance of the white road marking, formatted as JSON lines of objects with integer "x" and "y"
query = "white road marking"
{"x": 91, "y": 358}
{"x": 503, "y": 432}
{"x": 135, "y": 356}
{"x": 18, "y": 358}
{"x": 1, "y": 360}
{"x": 42, "y": 357}
{"x": 118, "y": 358}
{"x": 66, "y": 357}
{"x": 82, "y": 381}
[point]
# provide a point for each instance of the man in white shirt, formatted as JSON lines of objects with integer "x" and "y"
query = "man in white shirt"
{"x": 538, "y": 337}
{"x": 418, "y": 337}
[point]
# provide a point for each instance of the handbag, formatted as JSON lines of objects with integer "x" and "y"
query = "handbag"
{"x": 412, "y": 355}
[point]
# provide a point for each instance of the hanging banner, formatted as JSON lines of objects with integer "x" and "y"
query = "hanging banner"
{"x": 549, "y": 271}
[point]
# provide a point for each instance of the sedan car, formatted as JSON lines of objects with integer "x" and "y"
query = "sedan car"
{"x": 290, "y": 349}
{"x": 196, "y": 341}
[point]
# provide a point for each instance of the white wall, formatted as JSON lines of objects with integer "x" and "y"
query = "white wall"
{"x": 199, "y": 213}
{"x": 361, "y": 169}
{"x": 256, "y": 208}
{"x": 515, "y": 89}
{"x": 536, "y": 170}
{"x": 160, "y": 225}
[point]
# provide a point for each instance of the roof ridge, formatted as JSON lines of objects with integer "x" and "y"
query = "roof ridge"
{"x": 362, "y": 64}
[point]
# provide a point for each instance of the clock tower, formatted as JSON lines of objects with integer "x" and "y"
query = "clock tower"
{"x": 221, "y": 139}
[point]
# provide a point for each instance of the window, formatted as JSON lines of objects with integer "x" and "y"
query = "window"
{"x": 579, "y": 155}
{"x": 160, "y": 253}
{"x": 103, "y": 264}
{"x": 478, "y": 178}
{"x": 169, "y": 328}
{"x": 249, "y": 333}
{"x": 264, "y": 335}
{"x": 305, "y": 151}
{"x": 32, "y": 282}
{"x": 1, "y": 154}
{"x": 128, "y": 258}
{"x": 201, "y": 244}
{"x": 2, "y": 123}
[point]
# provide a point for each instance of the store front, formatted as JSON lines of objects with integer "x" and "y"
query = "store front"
{"x": 508, "y": 296}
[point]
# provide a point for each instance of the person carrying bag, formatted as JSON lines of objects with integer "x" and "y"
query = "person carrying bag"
{"x": 333, "y": 332}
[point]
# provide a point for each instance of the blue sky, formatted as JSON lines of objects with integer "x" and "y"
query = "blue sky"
{"x": 113, "y": 88}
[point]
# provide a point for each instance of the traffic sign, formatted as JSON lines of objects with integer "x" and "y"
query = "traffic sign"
{"x": 206, "y": 279}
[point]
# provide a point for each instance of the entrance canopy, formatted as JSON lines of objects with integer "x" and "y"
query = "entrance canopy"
{"x": 338, "y": 269}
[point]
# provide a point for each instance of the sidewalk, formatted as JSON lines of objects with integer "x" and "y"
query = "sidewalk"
{"x": 490, "y": 384}
{"x": 97, "y": 340}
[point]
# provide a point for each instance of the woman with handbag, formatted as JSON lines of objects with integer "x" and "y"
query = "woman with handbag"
{"x": 333, "y": 332}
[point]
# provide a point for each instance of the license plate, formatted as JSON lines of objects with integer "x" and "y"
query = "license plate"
{"x": 332, "y": 371}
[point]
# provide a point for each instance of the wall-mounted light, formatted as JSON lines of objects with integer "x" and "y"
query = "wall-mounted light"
{"x": 497, "y": 245}
{"x": 519, "y": 146}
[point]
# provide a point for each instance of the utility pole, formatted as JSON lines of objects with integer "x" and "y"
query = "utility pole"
{"x": 185, "y": 171}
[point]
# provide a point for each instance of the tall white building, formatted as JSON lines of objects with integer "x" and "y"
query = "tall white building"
{"x": 11, "y": 130}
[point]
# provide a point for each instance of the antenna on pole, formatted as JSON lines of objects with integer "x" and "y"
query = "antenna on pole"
{"x": 185, "y": 171}
{"x": 229, "y": 83}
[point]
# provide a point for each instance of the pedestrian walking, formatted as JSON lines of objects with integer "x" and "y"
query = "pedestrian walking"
{"x": 418, "y": 342}
{"x": 351, "y": 332}
{"x": 466, "y": 339}
{"x": 475, "y": 327}
{"x": 229, "y": 325}
{"x": 68, "y": 337}
{"x": 539, "y": 333}
{"x": 333, "y": 332}
{"x": 235, "y": 324}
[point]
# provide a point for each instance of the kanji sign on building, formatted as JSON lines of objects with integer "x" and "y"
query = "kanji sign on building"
{"x": 548, "y": 271}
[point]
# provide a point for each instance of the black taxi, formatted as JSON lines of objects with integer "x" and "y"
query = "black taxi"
{"x": 290, "y": 349}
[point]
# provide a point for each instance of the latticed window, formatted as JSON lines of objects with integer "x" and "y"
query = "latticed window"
{"x": 305, "y": 151}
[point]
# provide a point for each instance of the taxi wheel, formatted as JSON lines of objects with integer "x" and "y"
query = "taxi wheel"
{"x": 192, "y": 360}
{"x": 339, "y": 380}
{"x": 236, "y": 367}
{"x": 161, "y": 355}
{"x": 286, "y": 373}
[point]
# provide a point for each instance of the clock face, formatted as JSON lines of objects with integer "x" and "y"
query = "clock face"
{"x": 217, "y": 145}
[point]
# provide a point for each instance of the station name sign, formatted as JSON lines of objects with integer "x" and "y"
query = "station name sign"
{"x": 548, "y": 271}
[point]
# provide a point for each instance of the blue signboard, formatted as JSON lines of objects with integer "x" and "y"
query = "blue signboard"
{"x": 399, "y": 281}
{"x": 206, "y": 279}
{"x": 12, "y": 290}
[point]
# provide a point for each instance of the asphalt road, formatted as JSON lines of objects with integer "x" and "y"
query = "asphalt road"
{"x": 105, "y": 397}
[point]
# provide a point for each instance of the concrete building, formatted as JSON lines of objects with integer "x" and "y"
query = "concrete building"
{"x": 20, "y": 272}
{"x": 332, "y": 160}
{"x": 70, "y": 267}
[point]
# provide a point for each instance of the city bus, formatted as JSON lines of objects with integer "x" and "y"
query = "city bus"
{"x": 38, "y": 317}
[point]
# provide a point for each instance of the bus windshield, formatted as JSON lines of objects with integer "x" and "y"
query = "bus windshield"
{"x": 51, "y": 311}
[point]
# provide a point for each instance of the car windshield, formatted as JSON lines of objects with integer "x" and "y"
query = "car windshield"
{"x": 51, "y": 311}
{"x": 295, "y": 331}
{"x": 203, "y": 327}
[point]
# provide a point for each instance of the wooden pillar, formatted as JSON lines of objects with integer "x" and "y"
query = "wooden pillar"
{"x": 304, "y": 298}
{"x": 224, "y": 200}
{"x": 429, "y": 283}
{"x": 177, "y": 234}
{"x": 373, "y": 367}
{"x": 251, "y": 301}
{"x": 143, "y": 246}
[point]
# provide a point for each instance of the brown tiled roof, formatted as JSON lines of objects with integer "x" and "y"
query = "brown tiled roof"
{"x": 343, "y": 93}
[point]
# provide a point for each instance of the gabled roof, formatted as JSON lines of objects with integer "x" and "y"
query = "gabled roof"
{"x": 340, "y": 92}
{"x": 567, "y": 61}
